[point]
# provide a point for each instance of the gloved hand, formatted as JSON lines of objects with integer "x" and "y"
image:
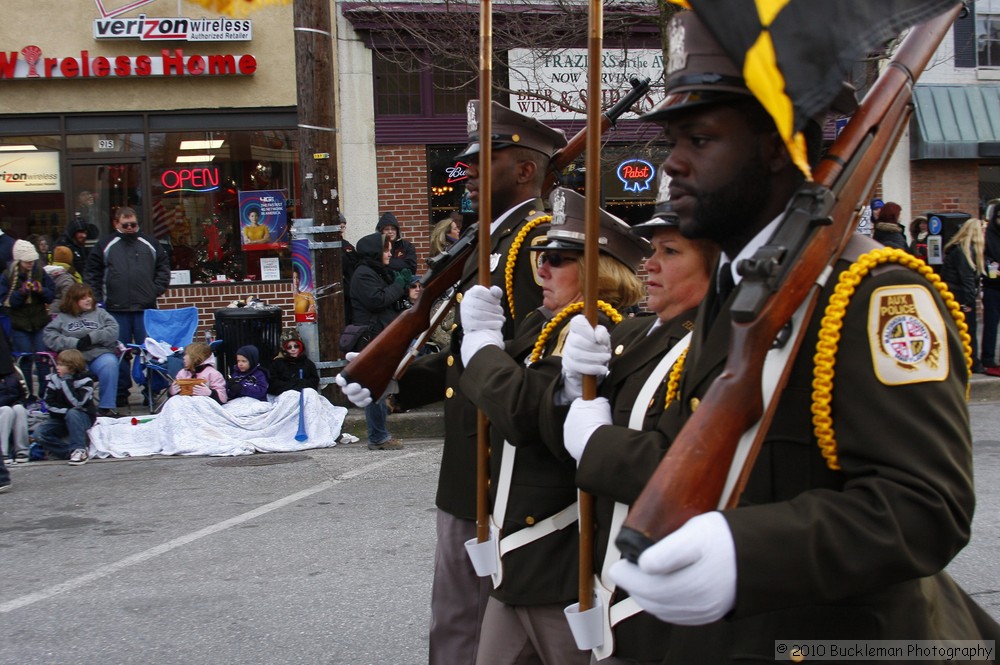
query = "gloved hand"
{"x": 357, "y": 395}
{"x": 689, "y": 577}
{"x": 84, "y": 343}
{"x": 586, "y": 351}
{"x": 404, "y": 277}
{"x": 201, "y": 390}
{"x": 482, "y": 320}
{"x": 585, "y": 416}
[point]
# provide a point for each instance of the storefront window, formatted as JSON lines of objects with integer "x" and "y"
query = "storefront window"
{"x": 198, "y": 180}
{"x": 31, "y": 198}
{"x": 446, "y": 179}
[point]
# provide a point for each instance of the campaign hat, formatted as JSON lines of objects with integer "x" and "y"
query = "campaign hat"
{"x": 510, "y": 129}
{"x": 663, "y": 212}
{"x": 568, "y": 225}
{"x": 699, "y": 72}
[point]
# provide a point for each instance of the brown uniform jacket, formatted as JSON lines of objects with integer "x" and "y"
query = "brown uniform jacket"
{"x": 436, "y": 376}
{"x": 618, "y": 461}
{"x": 543, "y": 478}
{"x": 858, "y": 553}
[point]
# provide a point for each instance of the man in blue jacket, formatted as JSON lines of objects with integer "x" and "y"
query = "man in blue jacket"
{"x": 128, "y": 271}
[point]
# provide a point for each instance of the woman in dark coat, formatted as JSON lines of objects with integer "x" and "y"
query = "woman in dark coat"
{"x": 374, "y": 294}
{"x": 888, "y": 229}
{"x": 963, "y": 266}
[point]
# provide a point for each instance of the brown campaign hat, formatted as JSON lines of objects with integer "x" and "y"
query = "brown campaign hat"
{"x": 663, "y": 210}
{"x": 699, "y": 72}
{"x": 510, "y": 128}
{"x": 567, "y": 231}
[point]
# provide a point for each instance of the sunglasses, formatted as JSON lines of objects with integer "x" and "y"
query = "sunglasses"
{"x": 555, "y": 259}
{"x": 129, "y": 225}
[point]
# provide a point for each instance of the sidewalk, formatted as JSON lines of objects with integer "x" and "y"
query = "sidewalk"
{"x": 428, "y": 422}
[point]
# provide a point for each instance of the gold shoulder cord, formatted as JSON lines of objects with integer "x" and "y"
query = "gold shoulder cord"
{"x": 569, "y": 310}
{"x": 508, "y": 272}
{"x": 829, "y": 336}
{"x": 674, "y": 378}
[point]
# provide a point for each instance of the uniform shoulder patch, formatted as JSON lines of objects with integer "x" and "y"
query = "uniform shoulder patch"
{"x": 907, "y": 336}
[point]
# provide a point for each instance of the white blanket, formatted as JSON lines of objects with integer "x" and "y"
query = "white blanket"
{"x": 201, "y": 426}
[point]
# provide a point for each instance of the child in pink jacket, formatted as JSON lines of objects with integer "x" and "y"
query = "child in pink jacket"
{"x": 199, "y": 363}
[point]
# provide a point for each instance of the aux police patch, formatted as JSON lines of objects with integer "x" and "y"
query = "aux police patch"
{"x": 906, "y": 334}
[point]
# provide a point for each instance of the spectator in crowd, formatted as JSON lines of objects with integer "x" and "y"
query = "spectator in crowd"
{"x": 41, "y": 245}
{"x": 348, "y": 262}
{"x": 375, "y": 290}
{"x": 75, "y": 239}
{"x": 13, "y": 414}
{"x": 69, "y": 395}
{"x": 888, "y": 229}
{"x": 962, "y": 269}
{"x": 87, "y": 212}
{"x": 63, "y": 275}
{"x": 402, "y": 256}
{"x": 4, "y": 477}
{"x": 26, "y": 291}
{"x": 199, "y": 363}
{"x": 918, "y": 237}
{"x": 128, "y": 270}
{"x": 443, "y": 235}
{"x": 84, "y": 326}
{"x": 6, "y": 249}
{"x": 991, "y": 295}
{"x": 247, "y": 378}
{"x": 292, "y": 369}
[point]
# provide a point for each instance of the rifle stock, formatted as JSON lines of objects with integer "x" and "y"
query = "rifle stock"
{"x": 691, "y": 478}
{"x": 383, "y": 359}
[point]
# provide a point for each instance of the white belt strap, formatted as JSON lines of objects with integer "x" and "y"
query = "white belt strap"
{"x": 527, "y": 535}
{"x": 626, "y": 608}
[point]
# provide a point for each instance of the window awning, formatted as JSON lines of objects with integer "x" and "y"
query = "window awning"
{"x": 956, "y": 122}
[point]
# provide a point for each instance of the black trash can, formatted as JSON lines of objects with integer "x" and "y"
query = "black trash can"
{"x": 239, "y": 326}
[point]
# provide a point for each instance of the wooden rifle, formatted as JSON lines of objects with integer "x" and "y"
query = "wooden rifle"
{"x": 781, "y": 277}
{"x": 389, "y": 354}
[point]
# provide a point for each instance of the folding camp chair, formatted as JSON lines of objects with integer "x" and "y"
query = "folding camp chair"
{"x": 172, "y": 329}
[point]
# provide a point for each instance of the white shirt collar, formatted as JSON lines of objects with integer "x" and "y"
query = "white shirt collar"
{"x": 495, "y": 224}
{"x": 750, "y": 248}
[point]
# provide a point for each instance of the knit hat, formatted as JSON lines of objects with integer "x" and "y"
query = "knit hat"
{"x": 24, "y": 251}
{"x": 251, "y": 353}
{"x": 62, "y": 254}
{"x": 289, "y": 335}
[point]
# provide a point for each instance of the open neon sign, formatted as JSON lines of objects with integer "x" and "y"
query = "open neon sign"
{"x": 199, "y": 180}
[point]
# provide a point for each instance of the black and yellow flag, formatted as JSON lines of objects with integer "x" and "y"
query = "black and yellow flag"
{"x": 795, "y": 54}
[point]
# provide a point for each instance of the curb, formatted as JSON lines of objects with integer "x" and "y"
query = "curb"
{"x": 428, "y": 422}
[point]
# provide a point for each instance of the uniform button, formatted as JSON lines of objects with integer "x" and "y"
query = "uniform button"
{"x": 695, "y": 403}
{"x": 529, "y": 520}
{"x": 449, "y": 393}
{"x": 797, "y": 658}
{"x": 458, "y": 297}
{"x": 620, "y": 349}
{"x": 453, "y": 328}
{"x": 651, "y": 402}
{"x": 451, "y": 360}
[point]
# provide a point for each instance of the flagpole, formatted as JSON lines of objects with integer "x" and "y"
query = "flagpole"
{"x": 485, "y": 217}
{"x": 592, "y": 231}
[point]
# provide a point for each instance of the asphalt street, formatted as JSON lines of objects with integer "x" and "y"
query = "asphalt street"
{"x": 318, "y": 557}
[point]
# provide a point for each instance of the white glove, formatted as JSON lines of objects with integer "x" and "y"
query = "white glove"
{"x": 689, "y": 577}
{"x": 482, "y": 320}
{"x": 585, "y": 416}
{"x": 358, "y": 395}
{"x": 354, "y": 392}
{"x": 586, "y": 351}
{"x": 202, "y": 390}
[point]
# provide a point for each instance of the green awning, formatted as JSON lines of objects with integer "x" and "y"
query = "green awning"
{"x": 956, "y": 122}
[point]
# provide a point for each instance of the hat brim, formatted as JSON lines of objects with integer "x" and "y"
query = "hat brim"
{"x": 559, "y": 243}
{"x": 680, "y": 100}
{"x": 648, "y": 229}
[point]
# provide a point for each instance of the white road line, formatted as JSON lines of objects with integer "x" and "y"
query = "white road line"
{"x": 154, "y": 552}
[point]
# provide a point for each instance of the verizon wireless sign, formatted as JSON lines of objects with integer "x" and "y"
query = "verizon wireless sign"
{"x": 145, "y": 29}
{"x": 29, "y": 63}
{"x": 29, "y": 172}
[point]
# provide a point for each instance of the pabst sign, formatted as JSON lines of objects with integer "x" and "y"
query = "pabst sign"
{"x": 29, "y": 63}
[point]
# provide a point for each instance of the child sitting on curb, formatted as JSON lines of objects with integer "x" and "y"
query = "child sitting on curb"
{"x": 247, "y": 378}
{"x": 69, "y": 395}
{"x": 199, "y": 363}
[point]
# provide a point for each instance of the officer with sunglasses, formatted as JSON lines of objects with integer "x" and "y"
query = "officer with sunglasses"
{"x": 128, "y": 270}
